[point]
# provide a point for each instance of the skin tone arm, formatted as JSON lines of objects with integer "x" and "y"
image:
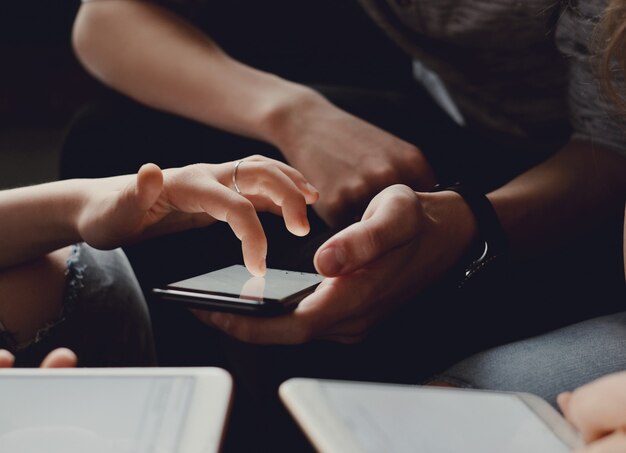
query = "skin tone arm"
{"x": 38, "y": 222}
{"x": 347, "y": 159}
{"x": 110, "y": 212}
{"x": 406, "y": 240}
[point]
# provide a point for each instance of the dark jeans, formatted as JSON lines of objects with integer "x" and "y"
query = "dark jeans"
{"x": 557, "y": 288}
{"x": 105, "y": 319}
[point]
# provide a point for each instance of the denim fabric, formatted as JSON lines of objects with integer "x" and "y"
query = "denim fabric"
{"x": 105, "y": 318}
{"x": 548, "y": 364}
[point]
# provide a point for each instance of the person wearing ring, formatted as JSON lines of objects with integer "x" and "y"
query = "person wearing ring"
{"x": 65, "y": 236}
{"x": 507, "y": 101}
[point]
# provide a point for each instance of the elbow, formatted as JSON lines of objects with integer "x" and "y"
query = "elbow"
{"x": 89, "y": 35}
{"x": 82, "y": 36}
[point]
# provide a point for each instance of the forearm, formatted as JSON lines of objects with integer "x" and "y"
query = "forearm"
{"x": 578, "y": 187}
{"x": 158, "y": 59}
{"x": 37, "y": 220}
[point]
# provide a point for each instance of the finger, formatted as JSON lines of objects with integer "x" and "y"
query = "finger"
{"x": 286, "y": 329}
{"x": 6, "y": 359}
{"x": 60, "y": 358}
{"x": 259, "y": 178}
{"x": 263, "y": 204}
{"x": 223, "y": 204}
{"x": 315, "y": 317}
{"x": 350, "y": 332}
{"x": 136, "y": 199}
{"x": 311, "y": 194}
{"x": 194, "y": 189}
{"x": 599, "y": 408}
{"x": 613, "y": 443}
{"x": 563, "y": 401}
{"x": 390, "y": 221}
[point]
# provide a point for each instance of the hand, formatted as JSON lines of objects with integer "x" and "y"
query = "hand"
{"x": 403, "y": 243}
{"x": 347, "y": 159}
{"x": 598, "y": 411}
{"x": 59, "y": 358}
{"x": 118, "y": 210}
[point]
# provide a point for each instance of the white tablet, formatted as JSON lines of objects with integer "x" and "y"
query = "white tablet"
{"x": 131, "y": 410}
{"x": 353, "y": 417}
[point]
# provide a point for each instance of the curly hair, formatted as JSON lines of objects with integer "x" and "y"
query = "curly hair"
{"x": 611, "y": 43}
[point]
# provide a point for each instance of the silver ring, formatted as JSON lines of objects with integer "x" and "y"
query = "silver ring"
{"x": 237, "y": 164}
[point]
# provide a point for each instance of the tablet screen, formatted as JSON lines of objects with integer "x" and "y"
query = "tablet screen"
{"x": 405, "y": 419}
{"x": 121, "y": 414}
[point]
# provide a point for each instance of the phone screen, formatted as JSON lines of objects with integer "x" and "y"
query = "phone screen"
{"x": 236, "y": 281}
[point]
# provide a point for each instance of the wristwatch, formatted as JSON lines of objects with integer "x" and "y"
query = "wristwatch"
{"x": 491, "y": 243}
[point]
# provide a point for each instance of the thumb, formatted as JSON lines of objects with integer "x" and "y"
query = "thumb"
{"x": 139, "y": 195}
{"x": 149, "y": 186}
{"x": 389, "y": 222}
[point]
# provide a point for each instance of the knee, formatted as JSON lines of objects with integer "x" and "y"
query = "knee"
{"x": 31, "y": 296}
{"x": 108, "y": 308}
{"x": 551, "y": 363}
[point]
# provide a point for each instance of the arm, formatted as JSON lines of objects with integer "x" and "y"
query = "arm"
{"x": 37, "y": 220}
{"x": 160, "y": 60}
{"x": 408, "y": 240}
{"x": 576, "y": 188}
{"x": 150, "y": 54}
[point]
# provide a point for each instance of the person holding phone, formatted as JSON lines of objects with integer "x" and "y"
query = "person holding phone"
{"x": 85, "y": 296}
{"x": 507, "y": 103}
{"x": 491, "y": 129}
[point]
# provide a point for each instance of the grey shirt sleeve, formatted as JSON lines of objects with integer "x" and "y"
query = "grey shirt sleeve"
{"x": 594, "y": 118}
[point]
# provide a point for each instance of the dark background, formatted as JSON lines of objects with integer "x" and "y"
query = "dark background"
{"x": 41, "y": 85}
{"x": 41, "y": 82}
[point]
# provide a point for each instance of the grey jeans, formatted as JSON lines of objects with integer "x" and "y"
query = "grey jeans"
{"x": 105, "y": 319}
{"x": 548, "y": 364}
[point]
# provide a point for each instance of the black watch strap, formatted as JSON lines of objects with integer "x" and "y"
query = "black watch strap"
{"x": 492, "y": 241}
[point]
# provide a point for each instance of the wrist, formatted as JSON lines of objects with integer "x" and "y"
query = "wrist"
{"x": 490, "y": 239}
{"x": 282, "y": 121}
{"x": 450, "y": 212}
{"x": 74, "y": 197}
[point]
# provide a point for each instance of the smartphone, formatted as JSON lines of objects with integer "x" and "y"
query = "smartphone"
{"x": 360, "y": 417}
{"x": 233, "y": 289}
{"x": 114, "y": 410}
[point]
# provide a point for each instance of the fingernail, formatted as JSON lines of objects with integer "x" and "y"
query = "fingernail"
{"x": 331, "y": 260}
{"x": 311, "y": 188}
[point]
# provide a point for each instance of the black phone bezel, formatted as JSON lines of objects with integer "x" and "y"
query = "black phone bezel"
{"x": 215, "y": 301}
